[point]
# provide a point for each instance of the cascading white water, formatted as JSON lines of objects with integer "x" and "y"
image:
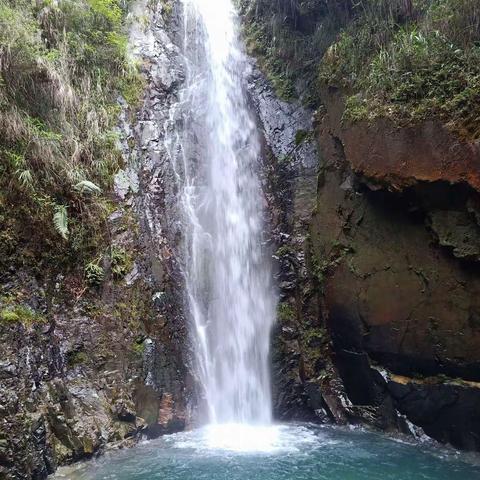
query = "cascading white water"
{"x": 214, "y": 146}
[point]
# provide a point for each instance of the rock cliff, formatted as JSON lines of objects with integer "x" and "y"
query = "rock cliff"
{"x": 376, "y": 223}
{"x": 94, "y": 358}
{"x": 380, "y": 285}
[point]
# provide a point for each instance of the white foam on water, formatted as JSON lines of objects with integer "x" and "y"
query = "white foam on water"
{"x": 237, "y": 438}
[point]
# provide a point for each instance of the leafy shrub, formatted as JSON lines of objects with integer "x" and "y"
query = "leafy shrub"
{"x": 62, "y": 66}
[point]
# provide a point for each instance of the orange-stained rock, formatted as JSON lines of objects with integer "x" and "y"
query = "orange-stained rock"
{"x": 396, "y": 231}
{"x": 400, "y": 157}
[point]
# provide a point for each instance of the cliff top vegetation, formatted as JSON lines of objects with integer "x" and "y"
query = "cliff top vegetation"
{"x": 408, "y": 60}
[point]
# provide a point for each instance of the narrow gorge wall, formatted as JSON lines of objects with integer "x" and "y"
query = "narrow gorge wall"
{"x": 89, "y": 364}
{"x": 376, "y": 232}
{"x": 380, "y": 285}
{"x": 402, "y": 293}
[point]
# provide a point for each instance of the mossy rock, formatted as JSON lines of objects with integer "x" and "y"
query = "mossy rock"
{"x": 285, "y": 312}
{"x": 20, "y": 314}
{"x": 77, "y": 358}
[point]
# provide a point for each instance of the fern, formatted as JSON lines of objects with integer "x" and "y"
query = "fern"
{"x": 60, "y": 220}
{"x": 85, "y": 186}
{"x": 94, "y": 274}
{"x": 25, "y": 178}
{"x": 56, "y": 140}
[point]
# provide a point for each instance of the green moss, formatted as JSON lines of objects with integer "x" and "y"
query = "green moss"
{"x": 323, "y": 264}
{"x": 120, "y": 261}
{"x": 284, "y": 251}
{"x": 136, "y": 311}
{"x": 301, "y": 136}
{"x": 132, "y": 87}
{"x": 8, "y": 315}
{"x": 313, "y": 337}
{"x": 129, "y": 222}
{"x": 167, "y": 8}
{"x": 77, "y": 358}
{"x": 314, "y": 345}
{"x": 20, "y": 314}
{"x": 138, "y": 348}
{"x": 285, "y": 312}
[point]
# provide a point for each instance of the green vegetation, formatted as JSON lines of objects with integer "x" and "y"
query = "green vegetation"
{"x": 410, "y": 66}
{"x": 321, "y": 267}
{"x": 138, "y": 348}
{"x": 135, "y": 311}
{"x": 281, "y": 78}
{"x": 62, "y": 66}
{"x": 94, "y": 274}
{"x": 301, "y": 136}
{"x": 313, "y": 336}
{"x": 285, "y": 312}
{"x": 167, "y": 8}
{"x": 314, "y": 346}
{"x": 76, "y": 358}
{"x": 407, "y": 60}
{"x": 289, "y": 38}
{"x": 20, "y": 314}
{"x": 285, "y": 251}
{"x": 120, "y": 261}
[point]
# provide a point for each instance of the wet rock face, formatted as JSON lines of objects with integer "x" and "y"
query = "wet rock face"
{"x": 84, "y": 368}
{"x": 396, "y": 232}
{"x": 400, "y": 296}
{"x": 23, "y": 370}
{"x": 65, "y": 391}
{"x": 299, "y": 338}
{"x": 74, "y": 362}
{"x": 378, "y": 273}
{"x": 169, "y": 391}
{"x": 446, "y": 412}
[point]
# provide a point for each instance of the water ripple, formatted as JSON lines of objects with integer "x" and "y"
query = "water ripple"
{"x": 281, "y": 452}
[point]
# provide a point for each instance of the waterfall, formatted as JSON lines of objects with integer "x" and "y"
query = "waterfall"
{"x": 214, "y": 147}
